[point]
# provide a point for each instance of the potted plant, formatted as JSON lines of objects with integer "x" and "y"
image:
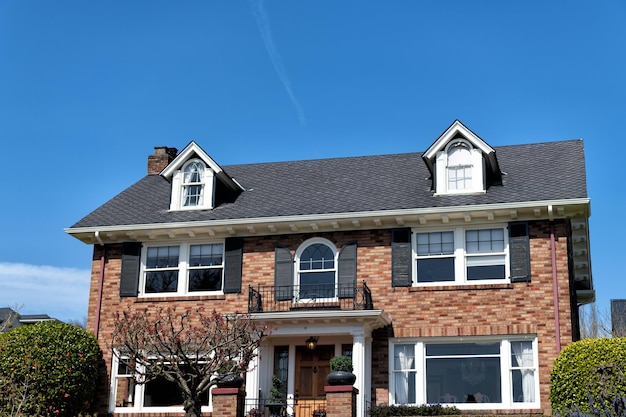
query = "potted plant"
{"x": 341, "y": 371}
{"x": 276, "y": 402}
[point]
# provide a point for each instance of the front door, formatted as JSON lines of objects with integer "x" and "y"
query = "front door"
{"x": 312, "y": 368}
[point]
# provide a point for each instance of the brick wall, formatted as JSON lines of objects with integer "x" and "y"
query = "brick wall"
{"x": 520, "y": 308}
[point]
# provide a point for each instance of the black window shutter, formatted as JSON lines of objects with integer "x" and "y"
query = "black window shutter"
{"x": 519, "y": 252}
{"x": 233, "y": 260}
{"x": 347, "y": 270}
{"x": 283, "y": 273}
{"x": 129, "y": 275}
{"x": 401, "y": 257}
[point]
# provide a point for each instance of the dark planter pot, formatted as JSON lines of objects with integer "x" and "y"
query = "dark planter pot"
{"x": 230, "y": 381}
{"x": 276, "y": 409}
{"x": 341, "y": 378}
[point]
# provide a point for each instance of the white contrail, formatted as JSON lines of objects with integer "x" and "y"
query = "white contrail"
{"x": 264, "y": 27}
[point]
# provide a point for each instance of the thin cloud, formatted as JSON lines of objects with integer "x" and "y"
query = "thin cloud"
{"x": 62, "y": 293}
{"x": 258, "y": 10}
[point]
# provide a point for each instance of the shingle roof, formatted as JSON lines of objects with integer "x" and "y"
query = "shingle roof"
{"x": 533, "y": 172}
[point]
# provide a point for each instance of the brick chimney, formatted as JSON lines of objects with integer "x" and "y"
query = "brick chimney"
{"x": 160, "y": 159}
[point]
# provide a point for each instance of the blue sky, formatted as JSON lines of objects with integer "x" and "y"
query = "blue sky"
{"x": 87, "y": 89}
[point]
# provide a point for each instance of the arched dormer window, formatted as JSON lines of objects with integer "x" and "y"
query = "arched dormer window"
{"x": 193, "y": 184}
{"x": 459, "y": 167}
{"x": 316, "y": 269}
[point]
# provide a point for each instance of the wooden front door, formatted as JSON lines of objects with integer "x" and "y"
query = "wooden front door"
{"x": 312, "y": 368}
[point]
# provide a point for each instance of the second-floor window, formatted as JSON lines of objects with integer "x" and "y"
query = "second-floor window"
{"x": 183, "y": 269}
{"x": 460, "y": 256}
{"x": 316, "y": 269}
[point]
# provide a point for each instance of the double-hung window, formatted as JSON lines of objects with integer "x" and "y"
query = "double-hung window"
{"x": 183, "y": 269}
{"x": 470, "y": 373}
{"x": 460, "y": 255}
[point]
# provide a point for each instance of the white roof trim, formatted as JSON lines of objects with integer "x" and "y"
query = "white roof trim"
{"x": 186, "y": 154}
{"x": 457, "y": 128}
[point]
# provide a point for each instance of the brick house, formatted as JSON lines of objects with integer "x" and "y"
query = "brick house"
{"x": 450, "y": 276}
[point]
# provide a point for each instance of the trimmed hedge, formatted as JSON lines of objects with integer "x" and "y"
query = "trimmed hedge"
{"x": 48, "y": 369}
{"x": 588, "y": 369}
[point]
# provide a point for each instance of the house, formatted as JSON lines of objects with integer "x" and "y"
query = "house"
{"x": 10, "y": 319}
{"x": 452, "y": 275}
{"x": 618, "y": 318}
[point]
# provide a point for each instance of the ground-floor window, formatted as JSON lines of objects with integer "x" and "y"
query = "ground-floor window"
{"x": 497, "y": 373}
{"x": 128, "y": 394}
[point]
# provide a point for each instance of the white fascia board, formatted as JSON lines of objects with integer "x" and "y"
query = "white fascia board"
{"x": 329, "y": 216}
{"x": 457, "y": 127}
{"x": 184, "y": 156}
{"x": 372, "y": 318}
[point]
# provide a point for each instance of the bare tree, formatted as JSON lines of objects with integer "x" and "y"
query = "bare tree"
{"x": 187, "y": 348}
{"x": 594, "y": 322}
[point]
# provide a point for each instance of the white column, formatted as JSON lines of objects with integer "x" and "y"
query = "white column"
{"x": 358, "y": 363}
{"x": 253, "y": 375}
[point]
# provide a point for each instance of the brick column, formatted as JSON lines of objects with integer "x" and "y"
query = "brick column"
{"x": 341, "y": 400}
{"x": 228, "y": 402}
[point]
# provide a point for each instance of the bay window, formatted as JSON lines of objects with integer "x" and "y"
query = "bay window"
{"x": 471, "y": 374}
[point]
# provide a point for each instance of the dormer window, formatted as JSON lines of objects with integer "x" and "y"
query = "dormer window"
{"x": 198, "y": 182}
{"x": 461, "y": 163}
{"x": 193, "y": 184}
{"x": 459, "y": 166}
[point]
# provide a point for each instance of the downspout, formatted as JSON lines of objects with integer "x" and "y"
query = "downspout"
{"x": 555, "y": 283}
{"x": 96, "y": 329}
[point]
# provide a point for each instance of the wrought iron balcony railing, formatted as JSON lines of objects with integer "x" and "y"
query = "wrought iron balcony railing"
{"x": 271, "y": 299}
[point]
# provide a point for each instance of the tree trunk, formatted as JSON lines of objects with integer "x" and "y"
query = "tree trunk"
{"x": 193, "y": 407}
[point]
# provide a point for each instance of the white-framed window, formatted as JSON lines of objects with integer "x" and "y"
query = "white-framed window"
{"x": 471, "y": 373}
{"x": 157, "y": 395}
{"x": 460, "y": 256}
{"x": 316, "y": 269}
{"x": 181, "y": 269}
{"x": 192, "y": 186}
{"x": 459, "y": 168}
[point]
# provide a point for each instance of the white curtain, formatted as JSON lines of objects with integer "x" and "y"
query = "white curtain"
{"x": 523, "y": 352}
{"x": 405, "y": 363}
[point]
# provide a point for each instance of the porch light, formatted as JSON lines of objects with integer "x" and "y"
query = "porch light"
{"x": 311, "y": 343}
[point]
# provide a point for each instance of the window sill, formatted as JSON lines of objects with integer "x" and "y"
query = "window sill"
{"x": 180, "y": 298}
{"x": 479, "y": 287}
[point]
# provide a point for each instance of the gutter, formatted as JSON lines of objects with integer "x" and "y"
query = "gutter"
{"x": 96, "y": 329}
{"x": 555, "y": 282}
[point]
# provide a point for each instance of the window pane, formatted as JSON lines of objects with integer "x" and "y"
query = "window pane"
{"x": 317, "y": 284}
{"x": 205, "y": 279}
{"x": 193, "y": 172}
{"x": 484, "y": 240}
{"x": 317, "y": 256}
{"x": 462, "y": 349}
{"x": 125, "y": 392}
{"x": 435, "y": 243}
{"x": 161, "y": 393}
{"x": 464, "y": 379}
{"x": 475, "y": 273}
{"x": 162, "y": 257}
{"x": 404, "y": 387}
{"x": 435, "y": 270}
{"x": 161, "y": 281}
{"x": 206, "y": 255}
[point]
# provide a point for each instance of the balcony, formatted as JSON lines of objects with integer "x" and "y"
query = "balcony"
{"x": 273, "y": 299}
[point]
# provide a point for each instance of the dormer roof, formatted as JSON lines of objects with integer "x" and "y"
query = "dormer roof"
{"x": 458, "y": 130}
{"x": 192, "y": 150}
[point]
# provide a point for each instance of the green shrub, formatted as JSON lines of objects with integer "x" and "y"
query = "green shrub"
{"x": 412, "y": 410}
{"x": 47, "y": 369}
{"x": 341, "y": 363}
{"x": 588, "y": 371}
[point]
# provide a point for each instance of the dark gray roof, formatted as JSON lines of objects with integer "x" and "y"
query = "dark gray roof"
{"x": 533, "y": 172}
